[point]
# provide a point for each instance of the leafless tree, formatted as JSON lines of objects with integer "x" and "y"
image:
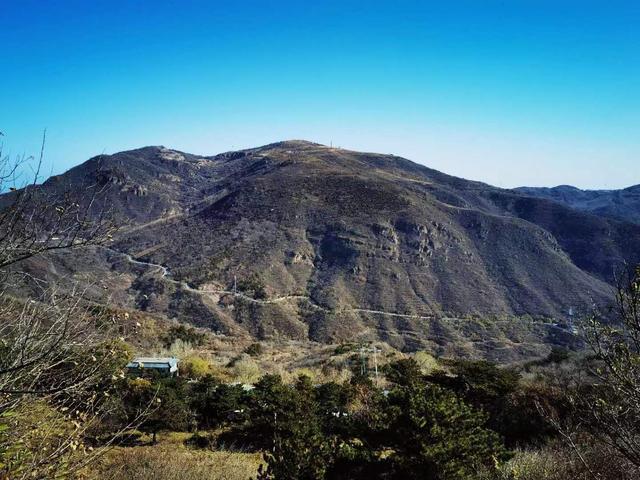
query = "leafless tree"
{"x": 604, "y": 397}
{"x": 34, "y": 219}
{"x": 56, "y": 359}
{"x": 612, "y": 402}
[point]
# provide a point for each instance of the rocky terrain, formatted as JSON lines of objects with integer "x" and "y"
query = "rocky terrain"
{"x": 302, "y": 241}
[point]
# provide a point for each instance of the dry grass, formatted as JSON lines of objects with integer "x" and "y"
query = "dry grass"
{"x": 171, "y": 460}
{"x": 559, "y": 462}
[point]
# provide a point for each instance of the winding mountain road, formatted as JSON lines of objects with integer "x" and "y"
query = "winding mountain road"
{"x": 166, "y": 274}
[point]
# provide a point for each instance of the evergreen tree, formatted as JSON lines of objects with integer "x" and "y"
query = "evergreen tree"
{"x": 435, "y": 435}
{"x": 290, "y": 414}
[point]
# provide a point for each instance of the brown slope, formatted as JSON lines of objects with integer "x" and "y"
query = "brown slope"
{"x": 353, "y": 229}
{"x": 599, "y": 245}
{"x": 346, "y": 245}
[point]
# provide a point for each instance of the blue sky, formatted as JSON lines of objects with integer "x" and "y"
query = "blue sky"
{"x": 511, "y": 92}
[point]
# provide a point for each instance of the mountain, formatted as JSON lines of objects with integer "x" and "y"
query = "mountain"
{"x": 300, "y": 240}
{"x": 619, "y": 204}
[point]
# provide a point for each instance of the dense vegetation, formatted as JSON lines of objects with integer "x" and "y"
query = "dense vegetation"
{"x": 415, "y": 427}
{"x": 461, "y": 420}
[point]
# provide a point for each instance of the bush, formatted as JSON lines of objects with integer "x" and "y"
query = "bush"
{"x": 252, "y": 286}
{"x": 28, "y": 434}
{"x": 344, "y": 348}
{"x": 195, "y": 367}
{"x": 426, "y": 363}
{"x": 184, "y": 333}
{"x": 199, "y": 440}
{"x": 254, "y": 350}
{"x": 245, "y": 370}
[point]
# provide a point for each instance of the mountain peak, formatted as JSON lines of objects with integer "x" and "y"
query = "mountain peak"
{"x": 292, "y": 144}
{"x": 567, "y": 188}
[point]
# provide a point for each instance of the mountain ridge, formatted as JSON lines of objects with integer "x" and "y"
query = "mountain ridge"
{"x": 360, "y": 245}
{"x": 621, "y": 204}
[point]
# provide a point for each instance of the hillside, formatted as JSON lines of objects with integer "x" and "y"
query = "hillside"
{"x": 327, "y": 244}
{"x": 621, "y": 204}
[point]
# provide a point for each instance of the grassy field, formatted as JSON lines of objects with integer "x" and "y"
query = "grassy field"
{"x": 171, "y": 459}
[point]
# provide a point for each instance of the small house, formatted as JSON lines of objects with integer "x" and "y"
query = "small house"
{"x": 166, "y": 366}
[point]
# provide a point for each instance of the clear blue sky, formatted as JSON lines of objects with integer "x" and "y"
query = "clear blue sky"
{"x": 508, "y": 92}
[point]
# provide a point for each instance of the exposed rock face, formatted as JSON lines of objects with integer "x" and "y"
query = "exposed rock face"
{"x": 328, "y": 244}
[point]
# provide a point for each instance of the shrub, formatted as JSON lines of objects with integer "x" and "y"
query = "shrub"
{"x": 559, "y": 462}
{"x": 179, "y": 349}
{"x": 254, "y": 350}
{"x": 195, "y": 367}
{"x": 245, "y": 370}
{"x": 252, "y": 286}
{"x": 28, "y": 434}
{"x": 426, "y": 363}
{"x": 344, "y": 348}
{"x": 199, "y": 440}
{"x": 184, "y": 333}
